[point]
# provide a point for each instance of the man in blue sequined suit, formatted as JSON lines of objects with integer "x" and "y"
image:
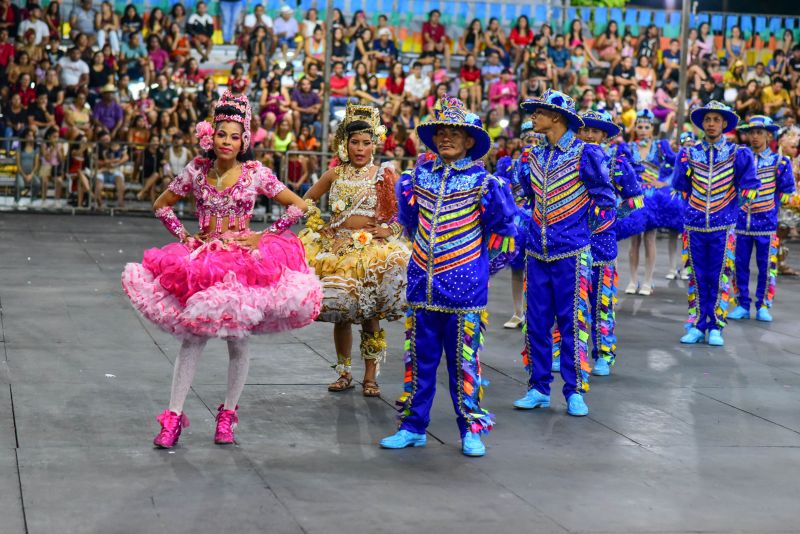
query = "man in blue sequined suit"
{"x": 566, "y": 180}
{"x": 757, "y": 223}
{"x": 599, "y": 129}
{"x": 461, "y": 220}
{"x": 713, "y": 174}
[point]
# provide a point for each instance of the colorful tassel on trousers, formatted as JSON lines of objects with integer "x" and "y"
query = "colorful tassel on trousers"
{"x": 691, "y": 287}
{"x": 582, "y": 318}
{"x": 772, "y": 273}
{"x": 604, "y": 311}
{"x": 725, "y": 280}
{"x": 473, "y": 330}
{"x": 410, "y": 379}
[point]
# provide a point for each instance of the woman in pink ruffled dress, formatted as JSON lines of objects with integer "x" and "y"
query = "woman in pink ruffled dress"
{"x": 226, "y": 281}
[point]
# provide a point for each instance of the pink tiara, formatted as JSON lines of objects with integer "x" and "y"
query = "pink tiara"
{"x": 240, "y": 103}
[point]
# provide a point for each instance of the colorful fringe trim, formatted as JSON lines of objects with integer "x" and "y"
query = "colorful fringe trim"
{"x": 606, "y": 341}
{"x": 556, "y": 343}
{"x": 403, "y": 403}
{"x": 472, "y": 331}
{"x": 725, "y": 278}
{"x": 691, "y": 286}
{"x": 772, "y": 273}
{"x": 582, "y": 319}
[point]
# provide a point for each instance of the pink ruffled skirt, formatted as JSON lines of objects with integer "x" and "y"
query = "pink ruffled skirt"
{"x": 221, "y": 289}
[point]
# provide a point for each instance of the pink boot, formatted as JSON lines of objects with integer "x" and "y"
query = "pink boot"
{"x": 226, "y": 423}
{"x": 171, "y": 426}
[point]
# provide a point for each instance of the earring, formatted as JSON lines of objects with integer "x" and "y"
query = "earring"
{"x": 342, "y": 152}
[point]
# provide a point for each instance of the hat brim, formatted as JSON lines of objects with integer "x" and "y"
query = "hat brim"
{"x": 730, "y": 117}
{"x": 611, "y": 129}
{"x": 483, "y": 142}
{"x": 573, "y": 119}
{"x": 750, "y": 127}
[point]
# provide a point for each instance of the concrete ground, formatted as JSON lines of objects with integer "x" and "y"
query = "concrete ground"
{"x": 679, "y": 439}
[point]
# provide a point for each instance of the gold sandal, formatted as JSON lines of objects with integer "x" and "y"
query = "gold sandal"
{"x": 371, "y": 388}
{"x": 343, "y": 383}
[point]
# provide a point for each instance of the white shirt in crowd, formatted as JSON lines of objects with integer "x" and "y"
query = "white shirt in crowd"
{"x": 39, "y": 26}
{"x": 418, "y": 87}
{"x": 203, "y": 20}
{"x": 71, "y": 71}
{"x": 287, "y": 27}
{"x": 251, "y": 22}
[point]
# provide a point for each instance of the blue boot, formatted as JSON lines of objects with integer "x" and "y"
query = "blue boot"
{"x": 601, "y": 367}
{"x": 556, "y": 367}
{"x": 532, "y": 399}
{"x": 763, "y": 315}
{"x": 739, "y": 313}
{"x": 715, "y": 338}
{"x": 693, "y": 335}
{"x": 575, "y": 405}
{"x": 471, "y": 445}
{"x": 402, "y": 439}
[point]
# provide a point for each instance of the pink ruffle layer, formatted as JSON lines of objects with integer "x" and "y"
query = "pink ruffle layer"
{"x": 224, "y": 290}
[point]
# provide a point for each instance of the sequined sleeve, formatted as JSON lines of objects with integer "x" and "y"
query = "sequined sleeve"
{"x": 266, "y": 183}
{"x": 182, "y": 184}
{"x": 624, "y": 176}
{"x": 594, "y": 173}
{"x": 745, "y": 172}
{"x": 499, "y": 208}
{"x": 785, "y": 180}
{"x": 408, "y": 211}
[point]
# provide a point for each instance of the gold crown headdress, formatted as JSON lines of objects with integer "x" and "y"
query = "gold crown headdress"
{"x": 355, "y": 113}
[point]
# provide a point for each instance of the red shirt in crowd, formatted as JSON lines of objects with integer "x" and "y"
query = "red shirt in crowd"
{"x": 339, "y": 85}
{"x": 394, "y": 87}
{"x": 391, "y": 143}
{"x": 470, "y": 75}
{"x": 519, "y": 39}
{"x": 6, "y": 53}
{"x": 436, "y": 33}
{"x": 27, "y": 95}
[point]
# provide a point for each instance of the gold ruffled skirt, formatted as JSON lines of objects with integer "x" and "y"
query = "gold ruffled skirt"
{"x": 363, "y": 278}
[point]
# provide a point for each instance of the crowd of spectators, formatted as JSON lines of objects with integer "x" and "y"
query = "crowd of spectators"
{"x": 113, "y": 104}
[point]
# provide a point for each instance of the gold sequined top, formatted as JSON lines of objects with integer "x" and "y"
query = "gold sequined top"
{"x": 350, "y": 195}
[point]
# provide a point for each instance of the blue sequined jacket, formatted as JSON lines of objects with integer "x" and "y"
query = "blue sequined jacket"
{"x": 776, "y": 179}
{"x": 565, "y": 182}
{"x": 712, "y": 176}
{"x": 654, "y": 171}
{"x": 629, "y": 197}
{"x": 457, "y": 217}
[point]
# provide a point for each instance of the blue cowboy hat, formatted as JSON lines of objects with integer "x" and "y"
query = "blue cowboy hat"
{"x": 452, "y": 112}
{"x": 558, "y": 102}
{"x": 687, "y": 136}
{"x": 698, "y": 114}
{"x": 601, "y": 120}
{"x": 645, "y": 115}
{"x": 760, "y": 122}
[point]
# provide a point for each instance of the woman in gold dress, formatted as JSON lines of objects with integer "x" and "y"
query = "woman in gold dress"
{"x": 359, "y": 255}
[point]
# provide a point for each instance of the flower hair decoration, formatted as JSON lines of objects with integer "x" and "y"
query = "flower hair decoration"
{"x": 354, "y": 113}
{"x": 204, "y": 131}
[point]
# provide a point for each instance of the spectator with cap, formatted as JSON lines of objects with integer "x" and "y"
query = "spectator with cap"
{"x": 107, "y": 113}
{"x": 81, "y": 21}
{"x": 286, "y": 30}
{"x": 200, "y": 28}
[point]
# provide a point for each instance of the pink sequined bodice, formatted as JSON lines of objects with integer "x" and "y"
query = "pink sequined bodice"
{"x": 235, "y": 203}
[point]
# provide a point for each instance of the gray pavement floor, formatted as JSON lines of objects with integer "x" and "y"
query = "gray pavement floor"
{"x": 679, "y": 438}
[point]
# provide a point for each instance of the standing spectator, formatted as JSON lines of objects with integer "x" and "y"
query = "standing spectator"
{"x": 504, "y": 94}
{"x": 520, "y": 38}
{"x": 81, "y": 21}
{"x": 230, "y": 10}
{"x": 134, "y": 59}
{"x": 775, "y": 99}
{"x": 645, "y": 83}
{"x": 200, "y": 28}
{"x": 495, "y": 40}
{"x": 107, "y": 113}
{"x": 434, "y": 40}
{"x": 34, "y": 22}
{"x": 131, "y": 22}
{"x": 470, "y": 79}
{"x": 107, "y": 27}
{"x": 472, "y": 40}
{"x": 73, "y": 71}
{"x": 417, "y": 87}
{"x": 111, "y": 157}
{"x": 286, "y": 30}
{"x": 28, "y": 170}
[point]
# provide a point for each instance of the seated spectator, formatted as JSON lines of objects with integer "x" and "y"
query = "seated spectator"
{"x": 41, "y": 115}
{"x": 259, "y": 51}
{"x": 200, "y": 28}
{"x": 560, "y": 57}
{"x": 735, "y": 46}
{"x": 237, "y": 81}
{"x": 470, "y": 79}
{"x": 645, "y": 83}
{"x": 164, "y": 97}
{"x": 625, "y": 77}
{"x": 297, "y": 177}
{"x": 156, "y": 22}
{"x": 130, "y": 22}
{"x": 775, "y": 99}
{"x": 52, "y": 17}
{"x": 25, "y": 89}
{"x": 364, "y": 50}
{"x": 581, "y": 60}
{"x": 7, "y": 52}
{"x": 407, "y": 117}
{"x": 605, "y": 87}
{"x": 339, "y": 51}
{"x": 252, "y": 21}
{"x": 111, "y": 157}
{"x": 537, "y": 78}
{"x": 628, "y": 115}
{"x": 15, "y": 120}
{"x": 73, "y": 71}
{"x": 315, "y": 48}
{"x": 520, "y": 38}
{"x": 492, "y": 124}
{"x": 107, "y": 113}
{"x": 665, "y": 105}
{"x": 495, "y": 41}
{"x": 759, "y": 74}
{"x": 649, "y": 44}
{"x": 733, "y": 80}
{"x": 472, "y": 40}
{"x": 793, "y": 65}
{"x": 178, "y": 46}
{"x": 185, "y": 116}
{"x": 286, "y": 30}
{"x": 314, "y": 78}
{"x": 134, "y": 59}
{"x": 100, "y": 74}
{"x": 609, "y": 45}
{"x": 190, "y": 78}
{"x": 177, "y": 15}
{"x": 81, "y": 21}
{"x": 490, "y": 72}
{"x": 504, "y": 94}
{"x": 748, "y": 101}
{"x": 106, "y": 24}
{"x": 417, "y": 86}
{"x": 176, "y": 157}
{"x": 671, "y": 58}
{"x": 34, "y": 22}
{"x": 284, "y": 136}
{"x": 51, "y": 167}
{"x": 340, "y": 85}
{"x": 711, "y": 91}
{"x": 152, "y": 170}
{"x": 704, "y": 44}
{"x": 386, "y": 52}
{"x": 159, "y": 58}
{"x": 439, "y": 74}
{"x": 306, "y": 106}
